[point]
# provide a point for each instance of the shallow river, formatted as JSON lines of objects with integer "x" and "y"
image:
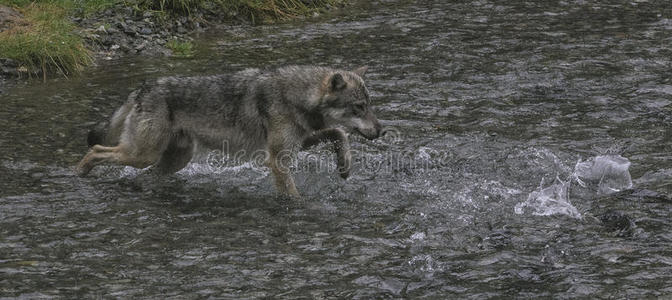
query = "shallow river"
{"x": 530, "y": 157}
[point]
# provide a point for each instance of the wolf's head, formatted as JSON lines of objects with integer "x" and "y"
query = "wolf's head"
{"x": 346, "y": 103}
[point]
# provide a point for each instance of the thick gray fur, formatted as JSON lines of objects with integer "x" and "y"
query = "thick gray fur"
{"x": 277, "y": 111}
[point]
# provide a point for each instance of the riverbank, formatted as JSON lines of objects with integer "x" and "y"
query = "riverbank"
{"x": 62, "y": 37}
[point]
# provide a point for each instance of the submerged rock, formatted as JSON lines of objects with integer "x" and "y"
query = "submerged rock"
{"x": 616, "y": 221}
{"x": 498, "y": 239}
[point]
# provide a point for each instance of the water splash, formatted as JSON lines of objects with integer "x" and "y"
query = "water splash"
{"x": 608, "y": 174}
{"x": 550, "y": 200}
{"x": 418, "y": 236}
{"x": 602, "y": 175}
{"x": 200, "y": 168}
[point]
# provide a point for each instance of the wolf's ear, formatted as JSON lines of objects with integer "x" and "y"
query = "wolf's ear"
{"x": 337, "y": 82}
{"x": 360, "y": 71}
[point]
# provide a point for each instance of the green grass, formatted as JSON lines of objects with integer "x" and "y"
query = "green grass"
{"x": 48, "y": 43}
{"x": 73, "y": 7}
{"x": 257, "y": 11}
{"x": 272, "y": 10}
{"x": 181, "y": 49}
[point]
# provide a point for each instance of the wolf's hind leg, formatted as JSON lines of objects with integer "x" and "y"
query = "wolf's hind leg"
{"x": 341, "y": 146}
{"x": 177, "y": 155}
{"x": 97, "y": 155}
{"x": 118, "y": 155}
{"x": 141, "y": 144}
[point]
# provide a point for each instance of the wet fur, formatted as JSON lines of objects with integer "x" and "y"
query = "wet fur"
{"x": 276, "y": 111}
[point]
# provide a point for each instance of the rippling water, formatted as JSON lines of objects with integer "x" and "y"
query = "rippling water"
{"x": 531, "y": 159}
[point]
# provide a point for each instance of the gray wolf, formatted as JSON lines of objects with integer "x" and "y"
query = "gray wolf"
{"x": 277, "y": 111}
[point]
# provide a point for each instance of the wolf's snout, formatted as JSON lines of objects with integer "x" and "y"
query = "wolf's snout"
{"x": 371, "y": 132}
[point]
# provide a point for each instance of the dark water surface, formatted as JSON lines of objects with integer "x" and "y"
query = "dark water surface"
{"x": 532, "y": 159}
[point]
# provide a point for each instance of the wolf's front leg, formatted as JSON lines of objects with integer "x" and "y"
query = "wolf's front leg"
{"x": 280, "y": 158}
{"x": 341, "y": 147}
{"x": 279, "y": 162}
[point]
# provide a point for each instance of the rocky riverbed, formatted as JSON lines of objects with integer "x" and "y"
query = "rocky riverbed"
{"x": 9, "y": 18}
{"x": 119, "y": 31}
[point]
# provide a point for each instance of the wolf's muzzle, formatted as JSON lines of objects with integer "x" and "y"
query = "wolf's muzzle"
{"x": 370, "y": 133}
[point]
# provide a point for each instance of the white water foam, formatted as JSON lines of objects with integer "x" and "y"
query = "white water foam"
{"x": 601, "y": 175}
{"x": 550, "y": 200}
{"x": 607, "y": 174}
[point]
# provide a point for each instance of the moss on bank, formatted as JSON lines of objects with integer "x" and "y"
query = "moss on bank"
{"x": 49, "y": 42}
{"x": 181, "y": 48}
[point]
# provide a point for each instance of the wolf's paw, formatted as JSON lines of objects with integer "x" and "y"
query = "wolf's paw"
{"x": 344, "y": 173}
{"x": 344, "y": 163}
{"x": 82, "y": 171}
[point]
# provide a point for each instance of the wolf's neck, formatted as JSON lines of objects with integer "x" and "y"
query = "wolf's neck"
{"x": 312, "y": 119}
